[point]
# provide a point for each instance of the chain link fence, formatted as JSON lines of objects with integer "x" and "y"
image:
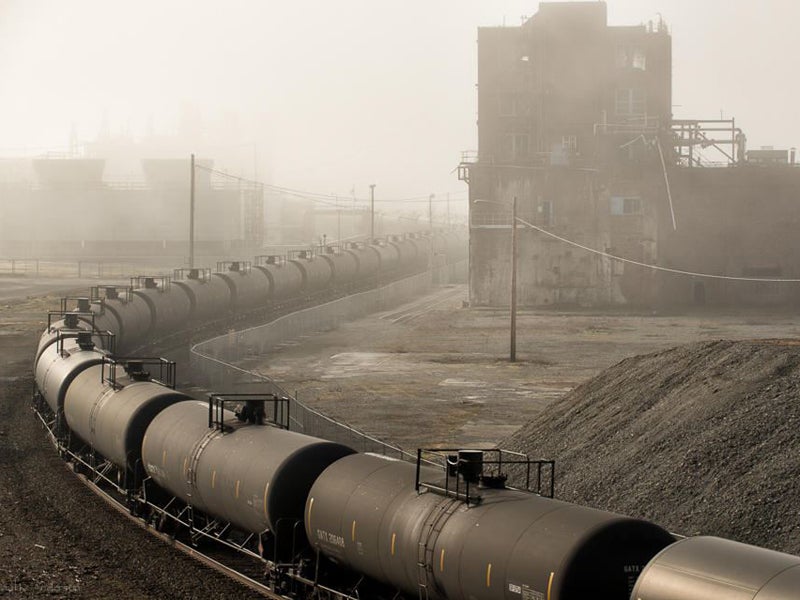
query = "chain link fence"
{"x": 218, "y": 364}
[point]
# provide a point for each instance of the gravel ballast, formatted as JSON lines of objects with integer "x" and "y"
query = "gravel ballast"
{"x": 702, "y": 439}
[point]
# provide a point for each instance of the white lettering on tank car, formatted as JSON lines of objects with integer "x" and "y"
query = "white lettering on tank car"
{"x": 514, "y": 588}
{"x": 330, "y": 538}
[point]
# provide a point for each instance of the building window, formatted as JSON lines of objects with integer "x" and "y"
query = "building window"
{"x": 514, "y": 146}
{"x": 630, "y": 102}
{"x": 569, "y": 143}
{"x": 626, "y": 205}
{"x": 631, "y": 57}
{"x": 545, "y": 210}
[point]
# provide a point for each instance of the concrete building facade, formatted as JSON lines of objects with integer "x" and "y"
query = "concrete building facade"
{"x": 574, "y": 120}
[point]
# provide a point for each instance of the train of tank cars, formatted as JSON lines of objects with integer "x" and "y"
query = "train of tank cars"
{"x": 324, "y": 520}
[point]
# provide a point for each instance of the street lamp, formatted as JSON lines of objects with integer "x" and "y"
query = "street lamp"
{"x": 513, "y": 342}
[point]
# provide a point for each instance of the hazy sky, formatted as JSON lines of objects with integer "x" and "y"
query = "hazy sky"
{"x": 349, "y": 92}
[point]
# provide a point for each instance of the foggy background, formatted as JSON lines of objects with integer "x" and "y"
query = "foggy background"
{"x": 332, "y": 96}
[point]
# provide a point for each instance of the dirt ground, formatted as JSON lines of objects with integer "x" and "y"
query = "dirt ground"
{"x": 58, "y": 540}
{"x": 433, "y": 373}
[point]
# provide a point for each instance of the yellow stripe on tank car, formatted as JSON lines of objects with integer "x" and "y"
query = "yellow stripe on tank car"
{"x": 213, "y": 478}
{"x": 353, "y": 531}
{"x": 441, "y": 561}
{"x": 266, "y": 489}
{"x": 238, "y": 481}
{"x": 394, "y": 537}
{"x": 310, "y": 506}
{"x": 185, "y": 464}
{"x": 550, "y": 584}
{"x": 164, "y": 458}
{"x": 489, "y": 575}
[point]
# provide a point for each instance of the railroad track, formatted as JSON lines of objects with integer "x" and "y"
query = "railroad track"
{"x": 417, "y": 309}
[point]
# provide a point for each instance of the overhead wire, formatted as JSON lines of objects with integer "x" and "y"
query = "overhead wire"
{"x": 651, "y": 266}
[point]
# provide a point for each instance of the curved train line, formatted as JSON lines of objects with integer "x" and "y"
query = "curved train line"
{"x": 317, "y": 518}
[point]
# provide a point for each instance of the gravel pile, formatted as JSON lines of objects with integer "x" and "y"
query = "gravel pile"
{"x": 57, "y": 539}
{"x": 702, "y": 439}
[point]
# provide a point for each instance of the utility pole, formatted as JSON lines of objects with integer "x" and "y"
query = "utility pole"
{"x": 430, "y": 211}
{"x": 513, "y": 353}
{"x": 371, "y": 213}
{"x": 191, "y": 215}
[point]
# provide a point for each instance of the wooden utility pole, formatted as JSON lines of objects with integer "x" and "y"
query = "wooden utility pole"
{"x": 191, "y": 215}
{"x": 371, "y": 213}
{"x": 513, "y": 353}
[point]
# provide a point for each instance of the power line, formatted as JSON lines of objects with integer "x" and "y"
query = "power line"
{"x": 653, "y": 267}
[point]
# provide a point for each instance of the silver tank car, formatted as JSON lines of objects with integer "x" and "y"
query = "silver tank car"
{"x": 209, "y": 297}
{"x": 113, "y": 418}
{"x": 364, "y": 513}
{"x": 257, "y": 477}
{"x": 60, "y": 363}
{"x": 711, "y": 568}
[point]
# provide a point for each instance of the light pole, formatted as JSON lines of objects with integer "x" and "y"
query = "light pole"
{"x": 191, "y": 215}
{"x": 371, "y": 213}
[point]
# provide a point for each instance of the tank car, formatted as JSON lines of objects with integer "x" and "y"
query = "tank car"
{"x": 256, "y": 477}
{"x": 365, "y": 513}
{"x": 60, "y": 363}
{"x": 169, "y": 305}
{"x": 250, "y": 288}
{"x": 368, "y": 260}
{"x": 344, "y": 266}
{"x": 110, "y": 405}
{"x": 129, "y": 316}
{"x": 286, "y": 279}
{"x": 209, "y": 297}
{"x": 317, "y": 273}
{"x": 388, "y": 255}
{"x": 711, "y": 568}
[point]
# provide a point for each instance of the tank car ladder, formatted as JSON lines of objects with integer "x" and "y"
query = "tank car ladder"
{"x": 430, "y": 532}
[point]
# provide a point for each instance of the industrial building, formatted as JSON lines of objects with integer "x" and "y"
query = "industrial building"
{"x": 575, "y": 122}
